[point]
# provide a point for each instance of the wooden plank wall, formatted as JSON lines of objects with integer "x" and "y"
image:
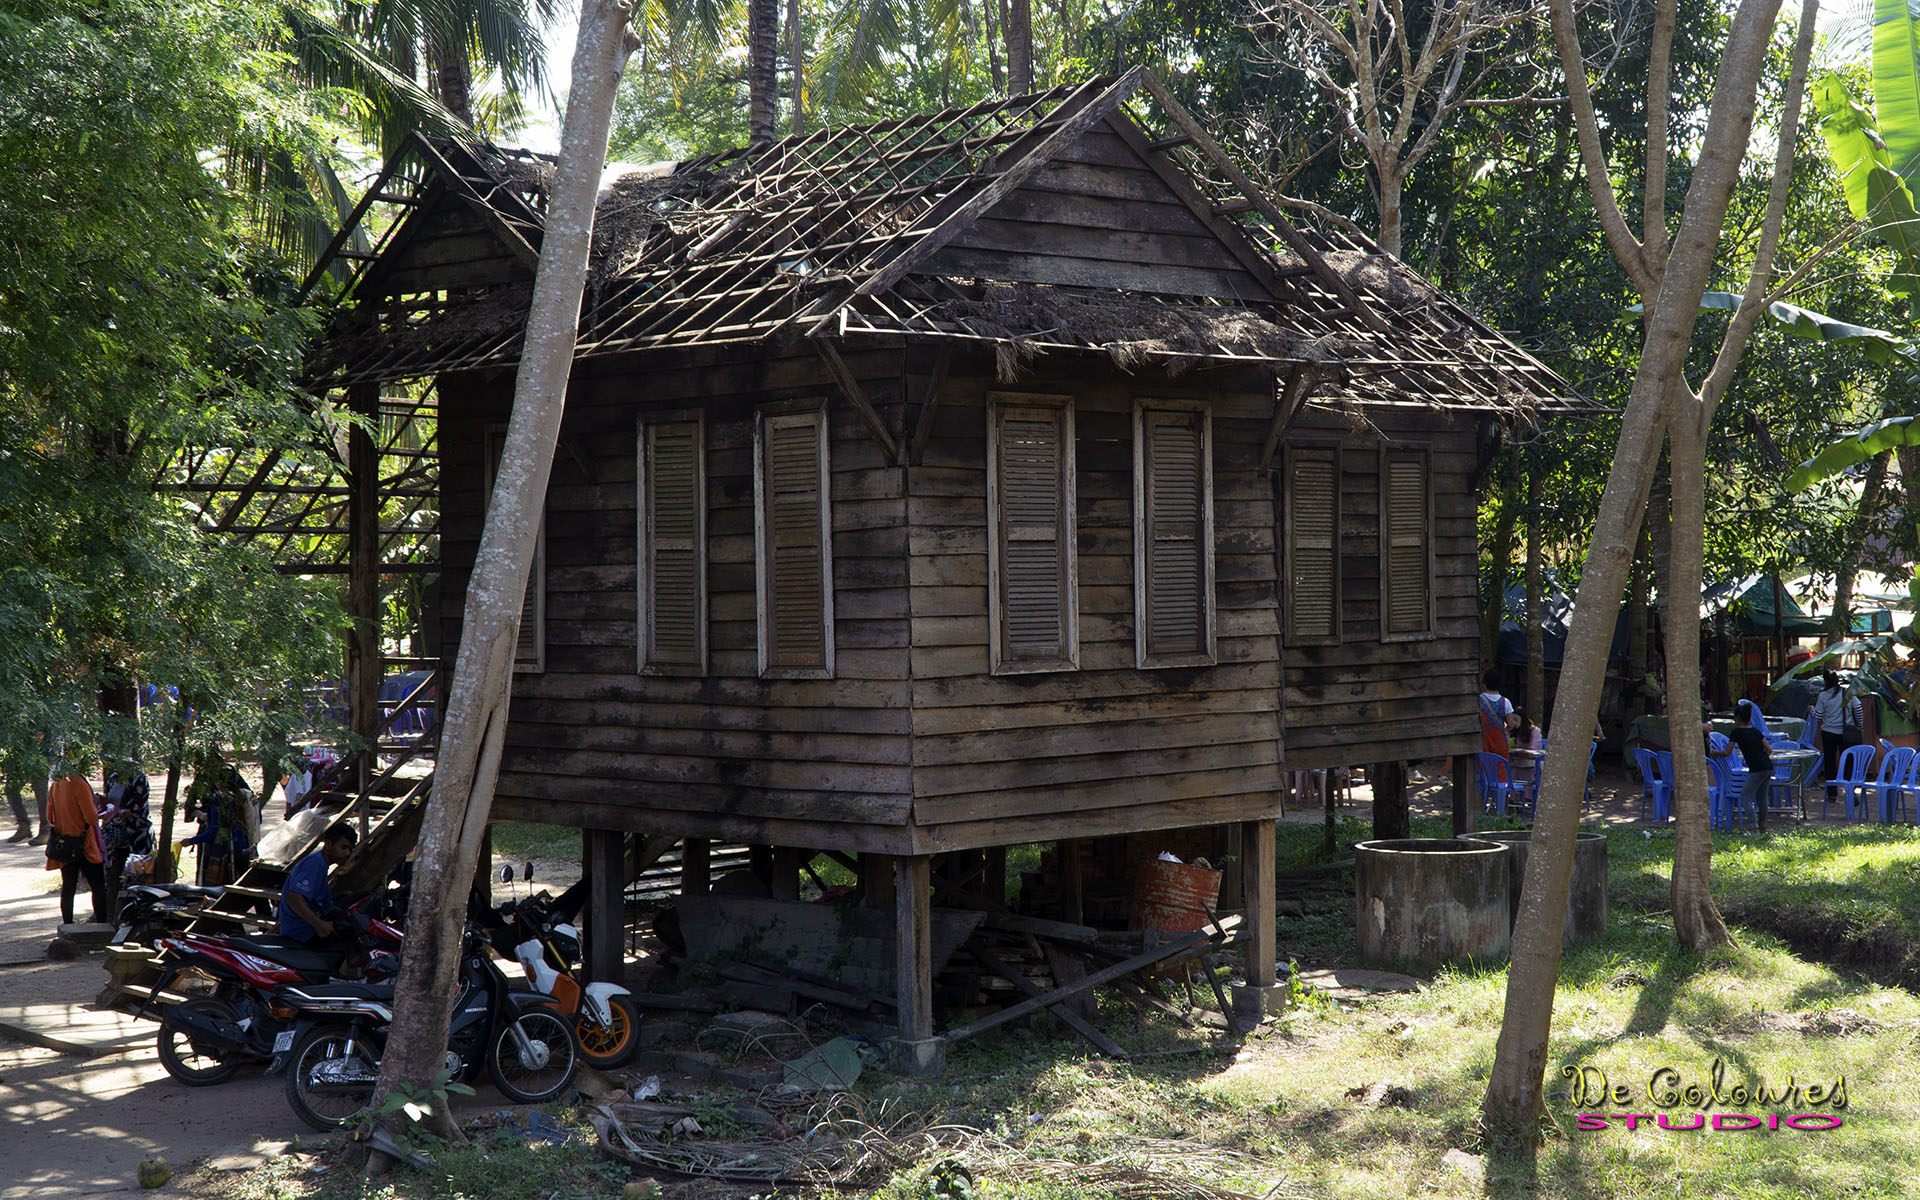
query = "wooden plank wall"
{"x": 593, "y": 743}
{"x": 1107, "y": 748}
{"x": 1364, "y": 700}
{"x": 1098, "y": 216}
{"x": 444, "y": 245}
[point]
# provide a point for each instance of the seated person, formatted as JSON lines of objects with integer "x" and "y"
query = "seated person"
{"x": 1752, "y": 744}
{"x": 306, "y": 899}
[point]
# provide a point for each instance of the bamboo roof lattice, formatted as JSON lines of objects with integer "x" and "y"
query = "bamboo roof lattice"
{"x": 837, "y": 233}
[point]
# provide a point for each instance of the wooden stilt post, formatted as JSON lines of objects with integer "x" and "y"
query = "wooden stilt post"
{"x": 876, "y": 880}
{"x": 918, "y": 1051}
{"x": 363, "y": 583}
{"x": 1466, "y": 795}
{"x": 994, "y": 882}
{"x": 696, "y": 867}
{"x": 1072, "y": 885}
{"x": 1391, "y": 819}
{"x": 1261, "y": 994}
{"x": 606, "y": 905}
{"x": 786, "y": 873}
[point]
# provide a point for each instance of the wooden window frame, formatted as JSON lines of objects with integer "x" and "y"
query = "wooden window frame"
{"x": 791, "y": 412}
{"x": 494, "y": 437}
{"x": 644, "y": 557}
{"x": 1142, "y": 410}
{"x": 1330, "y": 453}
{"x": 1423, "y": 453}
{"x": 999, "y": 406}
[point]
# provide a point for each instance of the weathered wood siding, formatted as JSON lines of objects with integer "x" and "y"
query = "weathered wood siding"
{"x": 443, "y": 244}
{"x": 1106, "y": 748}
{"x": 1099, "y": 215}
{"x": 594, "y": 743}
{"x": 1367, "y": 700}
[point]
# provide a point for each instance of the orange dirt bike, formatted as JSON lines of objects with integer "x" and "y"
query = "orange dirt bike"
{"x": 537, "y": 933}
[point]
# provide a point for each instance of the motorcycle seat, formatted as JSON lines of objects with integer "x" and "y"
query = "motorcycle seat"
{"x": 288, "y": 953}
{"x": 345, "y": 991}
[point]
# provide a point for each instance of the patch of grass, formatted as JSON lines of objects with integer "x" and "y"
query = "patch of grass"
{"x": 520, "y": 841}
{"x": 1847, "y": 894}
{"x": 495, "y": 1164}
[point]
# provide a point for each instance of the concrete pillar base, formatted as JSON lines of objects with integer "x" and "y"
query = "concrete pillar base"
{"x": 1252, "y": 1003}
{"x": 926, "y": 1056}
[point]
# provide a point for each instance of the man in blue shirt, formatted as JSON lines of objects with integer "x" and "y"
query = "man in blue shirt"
{"x": 306, "y": 898}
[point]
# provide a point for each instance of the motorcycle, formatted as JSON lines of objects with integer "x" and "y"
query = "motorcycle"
{"x": 148, "y": 910}
{"x": 540, "y": 937}
{"x": 205, "y": 1040}
{"x": 332, "y": 1054}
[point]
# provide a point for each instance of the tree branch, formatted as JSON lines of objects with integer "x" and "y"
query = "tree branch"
{"x": 1753, "y": 301}
{"x": 1625, "y": 248}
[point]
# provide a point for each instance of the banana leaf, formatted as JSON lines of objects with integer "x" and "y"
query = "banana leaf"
{"x": 1874, "y": 173}
{"x": 1869, "y": 443}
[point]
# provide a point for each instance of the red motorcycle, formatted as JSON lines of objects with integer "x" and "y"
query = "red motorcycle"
{"x": 206, "y": 1039}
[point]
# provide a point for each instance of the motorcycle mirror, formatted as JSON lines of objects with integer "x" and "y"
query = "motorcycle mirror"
{"x": 527, "y": 876}
{"x": 506, "y": 873}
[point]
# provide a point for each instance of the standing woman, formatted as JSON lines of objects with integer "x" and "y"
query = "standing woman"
{"x": 1830, "y": 714}
{"x": 74, "y": 849}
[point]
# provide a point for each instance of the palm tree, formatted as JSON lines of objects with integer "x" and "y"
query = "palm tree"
{"x": 372, "y": 50}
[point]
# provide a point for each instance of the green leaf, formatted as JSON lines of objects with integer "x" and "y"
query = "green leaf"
{"x": 1871, "y": 442}
{"x": 1876, "y": 175}
{"x": 1851, "y": 138}
{"x": 1896, "y": 85}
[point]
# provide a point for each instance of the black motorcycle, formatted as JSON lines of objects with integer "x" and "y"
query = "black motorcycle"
{"x": 517, "y": 1037}
{"x": 148, "y": 910}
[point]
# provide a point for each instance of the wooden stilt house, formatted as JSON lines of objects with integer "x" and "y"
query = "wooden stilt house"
{"x": 1001, "y": 475}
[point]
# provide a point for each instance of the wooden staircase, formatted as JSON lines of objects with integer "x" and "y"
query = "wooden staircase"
{"x": 388, "y": 812}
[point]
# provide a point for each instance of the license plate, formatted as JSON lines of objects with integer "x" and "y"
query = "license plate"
{"x": 283, "y": 1041}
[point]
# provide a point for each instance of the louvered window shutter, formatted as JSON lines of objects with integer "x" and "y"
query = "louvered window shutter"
{"x": 530, "y": 651}
{"x": 673, "y": 549}
{"x": 796, "y": 631}
{"x": 1313, "y": 545}
{"x": 1033, "y": 538}
{"x": 1406, "y": 533}
{"x": 1173, "y": 538}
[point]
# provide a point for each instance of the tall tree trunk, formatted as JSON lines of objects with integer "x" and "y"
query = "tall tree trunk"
{"x": 1493, "y": 607}
{"x": 1909, "y": 459}
{"x": 995, "y": 14}
{"x": 1637, "y": 613}
{"x": 452, "y": 76}
{"x": 1390, "y": 189}
{"x": 797, "y": 59}
{"x": 1515, "y": 1098}
{"x": 1696, "y": 921}
{"x": 1536, "y": 590}
{"x": 1019, "y": 47}
{"x": 763, "y": 88}
{"x": 455, "y": 821}
{"x": 1841, "y": 626}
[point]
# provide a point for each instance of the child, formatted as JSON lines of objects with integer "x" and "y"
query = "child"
{"x": 1526, "y": 735}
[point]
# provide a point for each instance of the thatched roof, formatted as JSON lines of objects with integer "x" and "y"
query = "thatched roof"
{"x": 839, "y": 232}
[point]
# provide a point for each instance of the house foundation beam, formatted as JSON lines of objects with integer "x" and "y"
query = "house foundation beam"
{"x": 917, "y": 1051}
{"x": 606, "y": 854}
{"x": 1260, "y": 995}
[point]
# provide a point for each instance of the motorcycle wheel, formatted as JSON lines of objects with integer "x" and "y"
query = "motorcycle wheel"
{"x": 545, "y": 1070}
{"x": 605, "y": 1046}
{"x": 187, "y": 1062}
{"x": 326, "y": 1086}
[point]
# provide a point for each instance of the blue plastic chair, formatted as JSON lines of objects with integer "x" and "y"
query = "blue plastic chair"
{"x": 1895, "y": 766}
{"x": 1724, "y": 788}
{"x": 1497, "y": 785}
{"x": 1851, "y": 778}
{"x": 1717, "y": 743}
{"x": 1655, "y": 787}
